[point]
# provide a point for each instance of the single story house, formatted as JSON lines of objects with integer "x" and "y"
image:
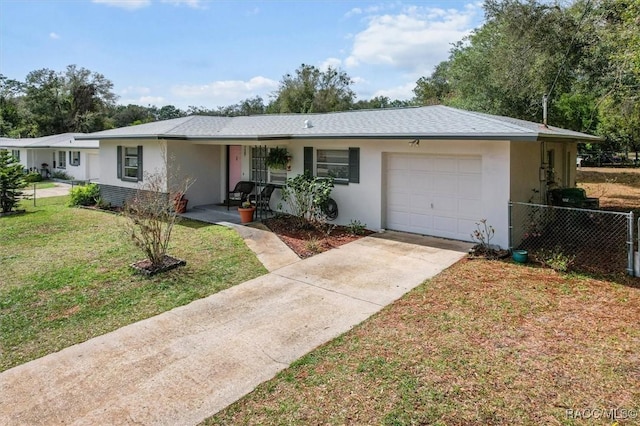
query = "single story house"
{"x": 64, "y": 152}
{"x": 431, "y": 170}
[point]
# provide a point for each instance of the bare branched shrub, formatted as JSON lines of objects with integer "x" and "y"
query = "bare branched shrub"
{"x": 152, "y": 212}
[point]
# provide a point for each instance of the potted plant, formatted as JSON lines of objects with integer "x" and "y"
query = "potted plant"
{"x": 246, "y": 211}
{"x": 180, "y": 203}
{"x": 44, "y": 171}
{"x": 278, "y": 158}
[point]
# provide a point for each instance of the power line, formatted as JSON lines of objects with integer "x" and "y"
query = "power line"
{"x": 573, "y": 39}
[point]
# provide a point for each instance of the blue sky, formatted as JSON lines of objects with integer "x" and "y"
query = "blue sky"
{"x": 217, "y": 52}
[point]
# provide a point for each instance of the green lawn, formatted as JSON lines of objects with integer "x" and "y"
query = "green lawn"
{"x": 42, "y": 185}
{"x": 483, "y": 343}
{"x": 65, "y": 276}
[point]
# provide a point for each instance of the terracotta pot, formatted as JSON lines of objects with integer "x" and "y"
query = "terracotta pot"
{"x": 180, "y": 205}
{"x": 246, "y": 215}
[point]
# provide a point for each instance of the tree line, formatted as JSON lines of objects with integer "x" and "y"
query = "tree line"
{"x": 79, "y": 100}
{"x": 583, "y": 55}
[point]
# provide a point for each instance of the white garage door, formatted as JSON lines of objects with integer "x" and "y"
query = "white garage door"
{"x": 434, "y": 195}
{"x": 93, "y": 167}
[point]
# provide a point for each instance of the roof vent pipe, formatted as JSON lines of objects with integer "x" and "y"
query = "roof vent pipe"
{"x": 544, "y": 110}
{"x": 307, "y": 124}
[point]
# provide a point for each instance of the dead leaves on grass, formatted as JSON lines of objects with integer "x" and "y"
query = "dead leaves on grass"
{"x": 485, "y": 342}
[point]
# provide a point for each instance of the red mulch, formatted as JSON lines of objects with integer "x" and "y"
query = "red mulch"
{"x": 310, "y": 240}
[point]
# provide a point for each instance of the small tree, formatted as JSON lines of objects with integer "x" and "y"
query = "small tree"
{"x": 11, "y": 181}
{"x": 305, "y": 195}
{"x": 152, "y": 212}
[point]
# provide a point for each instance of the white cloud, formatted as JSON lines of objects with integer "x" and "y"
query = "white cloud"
{"x": 196, "y": 4}
{"x": 158, "y": 101}
{"x": 414, "y": 40}
{"x": 227, "y": 92}
{"x": 353, "y": 12}
{"x": 125, "y": 4}
{"x": 330, "y": 62}
{"x": 151, "y": 100}
{"x": 54, "y": 36}
{"x": 135, "y": 90}
{"x": 399, "y": 92}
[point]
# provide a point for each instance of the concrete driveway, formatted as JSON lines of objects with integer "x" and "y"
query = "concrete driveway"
{"x": 183, "y": 366}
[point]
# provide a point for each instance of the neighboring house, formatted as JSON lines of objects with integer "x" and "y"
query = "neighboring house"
{"x": 429, "y": 170}
{"x": 77, "y": 158}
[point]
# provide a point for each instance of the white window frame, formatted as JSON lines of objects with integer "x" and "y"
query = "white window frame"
{"x": 15, "y": 153}
{"x": 62, "y": 159}
{"x": 324, "y": 167}
{"x": 128, "y": 163}
{"x": 74, "y": 158}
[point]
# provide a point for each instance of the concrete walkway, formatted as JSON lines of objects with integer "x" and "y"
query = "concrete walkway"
{"x": 185, "y": 365}
{"x": 59, "y": 189}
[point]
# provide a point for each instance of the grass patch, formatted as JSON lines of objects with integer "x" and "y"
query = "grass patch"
{"x": 65, "y": 276}
{"x": 485, "y": 342}
{"x": 41, "y": 185}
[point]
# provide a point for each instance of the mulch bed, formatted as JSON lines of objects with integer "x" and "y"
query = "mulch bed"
{"x": 145, "y": 267}
{"x": 310, "y": 240}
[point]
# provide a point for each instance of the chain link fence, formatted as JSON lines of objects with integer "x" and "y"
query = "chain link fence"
{"x": 595, "y": 241}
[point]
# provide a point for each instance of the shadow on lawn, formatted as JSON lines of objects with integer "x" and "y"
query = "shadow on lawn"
{"x": 194, "y": 224}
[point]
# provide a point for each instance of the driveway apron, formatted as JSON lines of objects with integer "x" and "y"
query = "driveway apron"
{"x": 185, "y": 365}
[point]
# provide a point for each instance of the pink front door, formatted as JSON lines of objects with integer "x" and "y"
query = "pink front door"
{"x": 235, "y": 165}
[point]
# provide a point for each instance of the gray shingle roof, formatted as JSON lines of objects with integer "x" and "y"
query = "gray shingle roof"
{"x": 430, "y": 122}
{"x": 63, "y": 140}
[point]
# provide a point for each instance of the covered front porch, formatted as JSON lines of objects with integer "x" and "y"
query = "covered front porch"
{"x": 217, "y": 168}
{"x": 217, "y": 214}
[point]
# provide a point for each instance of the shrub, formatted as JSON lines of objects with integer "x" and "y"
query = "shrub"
{"x": 151, "y": 214}
{"x": 11, "y": 182}
{"x": 62, "y": 175}
{"x": 483, "y": 235}
{"x": 33, "y": 177}
{"x": 84, "y": 195}
{"x": 555, "y": 259}
{"x": 356, "y": 227}
{"x": 305, "y": 195}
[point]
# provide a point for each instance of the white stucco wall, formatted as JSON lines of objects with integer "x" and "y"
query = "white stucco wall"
{"x": 525, "y": 172}
{"x": 204, "y": 163}
{"x": 23, "y": 155}
{"x": 565, "y": 162}
{"x": 365, "y": 201}
{"x": 35, "y": 158}
{"x": 510, "y": 170}
{"x": 152, "y": 160}
{"x": 81, "y": 171}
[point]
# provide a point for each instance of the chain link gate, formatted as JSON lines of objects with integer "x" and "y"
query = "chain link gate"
{"x": 595, "y": 241}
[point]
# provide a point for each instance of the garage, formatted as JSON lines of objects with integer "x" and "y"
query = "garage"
{"x": 434, "y": 195}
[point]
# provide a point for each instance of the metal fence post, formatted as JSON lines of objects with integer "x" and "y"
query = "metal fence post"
{"x": 630, "y": 245}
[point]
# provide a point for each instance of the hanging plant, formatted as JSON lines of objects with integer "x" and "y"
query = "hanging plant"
{"x": 277, "y": 158}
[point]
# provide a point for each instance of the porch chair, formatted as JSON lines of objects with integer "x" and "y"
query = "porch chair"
{"x": 261, "y": 200}
{"x": 240, "y": 192}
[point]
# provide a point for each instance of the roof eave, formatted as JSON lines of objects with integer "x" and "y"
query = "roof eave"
{"x": 571, "y": 138}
